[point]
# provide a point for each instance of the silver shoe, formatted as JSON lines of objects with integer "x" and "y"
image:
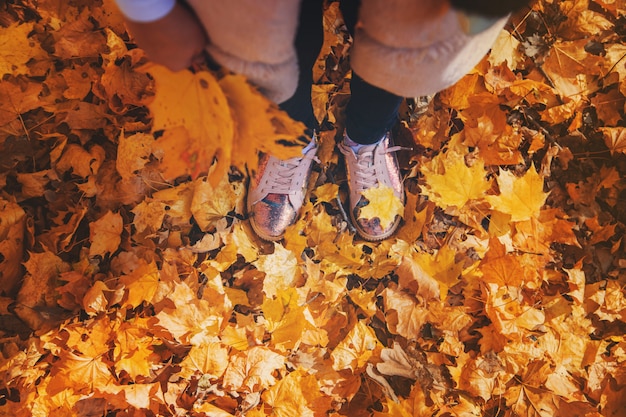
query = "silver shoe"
{"x": 277, "y": 192}
{"x": 366, "y": 168}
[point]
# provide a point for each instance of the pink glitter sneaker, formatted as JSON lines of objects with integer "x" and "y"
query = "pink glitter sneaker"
{"x": 368, "y": 166}
{"x": 277, "y": 192}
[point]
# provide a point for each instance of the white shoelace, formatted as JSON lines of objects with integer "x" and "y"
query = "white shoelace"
{"x": 365, "y": 169}
{"x": 287, "y": 177}
{"x": 281, "y": 176}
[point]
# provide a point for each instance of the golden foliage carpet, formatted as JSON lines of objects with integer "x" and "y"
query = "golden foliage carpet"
{"x": 132, "y": 285}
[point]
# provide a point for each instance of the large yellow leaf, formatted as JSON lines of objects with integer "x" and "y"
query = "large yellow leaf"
{"x": 521, "y": 197}
{"x": 141, "y": 284}
{"x": 133, "y": 351}
{"x": 196, "y": 104}
{"x": 458, "y": 184}
{"x": 281, "y": 270}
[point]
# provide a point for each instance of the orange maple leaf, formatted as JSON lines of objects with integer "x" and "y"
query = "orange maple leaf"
{"x": 105, "y": 234}
{"x": 194, "y": 112}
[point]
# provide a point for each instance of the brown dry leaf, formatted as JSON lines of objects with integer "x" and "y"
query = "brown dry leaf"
{"x": 12, "y": 228}
{"x": 124, "y": 87}
{"x": 105, "y": 234}
{"x": 609, "y": 106}
{"x": 133, "y": 153}
{"x": 34, "y": 184}
{"x": 82, "y": 162}
{"x": 17, "y": 98}
{"x": 79, "y": 38}
{"x": 615, "y": 138}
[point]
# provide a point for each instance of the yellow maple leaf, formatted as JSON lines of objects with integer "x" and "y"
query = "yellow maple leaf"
{"x": 133, "y": 352}
{"x": 289, "y": 396}
{"x": 205, "y": 359}
{"x": 284, "y": 319}
{"x": 505, "y": 50}
{"x": 105, "y": 234}
{"x": 95, "y": 300}
{"x": 404, "y": 315}
{"x": 189, "y": 319}
{"x": 194, "y": 105}
{"x": 510, "y": 313}
{"x": 16, "y": 49}
{"x": 521, "y": 197}
{"x": 383, "y": 203}
{"x": 356, "y": 349}
{"x": 281, "y": 270}
{"x": 213, "y": 202}
{"x": 141, "y": 284}
{"x": 254, "y": 369}
{"x": 458, "y": 185}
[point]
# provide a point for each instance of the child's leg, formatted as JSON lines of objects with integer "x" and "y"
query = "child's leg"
{"x": 309, "y": 41}
{"x": 371, "y": 111}
{"x": 277, "y": 192}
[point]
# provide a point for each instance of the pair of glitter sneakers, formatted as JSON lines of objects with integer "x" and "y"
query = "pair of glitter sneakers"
{"x": 278, "y": 190}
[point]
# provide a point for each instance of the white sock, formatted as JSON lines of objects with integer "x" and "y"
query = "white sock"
{"x": 356, "y": 146}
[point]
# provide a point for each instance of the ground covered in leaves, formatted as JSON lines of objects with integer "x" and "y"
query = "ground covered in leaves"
{"x": 132, "y": 285}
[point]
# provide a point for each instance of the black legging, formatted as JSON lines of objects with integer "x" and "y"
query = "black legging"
{"x": 371, "y": 110}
